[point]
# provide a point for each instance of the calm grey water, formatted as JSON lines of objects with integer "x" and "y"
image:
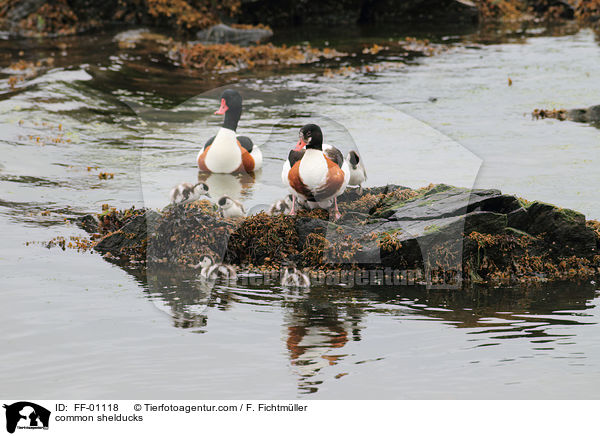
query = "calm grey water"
{"x": 76, "y": 326}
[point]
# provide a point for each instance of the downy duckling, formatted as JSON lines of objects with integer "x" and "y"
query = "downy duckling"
{"x": 358, "y": 174}
{"x": 230, "y": 208}
{"x": 187, "y": 193}
{"x": 281, "y": 207}
{"x": 212, "y": 271}
{"x": 292, "y": 277}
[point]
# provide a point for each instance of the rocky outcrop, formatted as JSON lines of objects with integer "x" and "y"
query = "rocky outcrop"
{"x": 587, "y": 115}
{"x": 222, "y": 34}
{"x": 285, "y": 13}
{"x": 450, "y": 234}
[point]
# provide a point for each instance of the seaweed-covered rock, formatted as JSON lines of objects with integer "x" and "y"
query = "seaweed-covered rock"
{"x": 441, "y": 230}
{"x": 586, "y": 115}
{"x": 564, "y": 229}
{"x": 130, "y": 241}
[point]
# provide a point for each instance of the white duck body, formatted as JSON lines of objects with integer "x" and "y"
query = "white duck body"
{"x": 358, "y": 174}
{"x": 187, "y": 193}
{"x": 313, "y": 172}
{"x": 257, "y": 156}
{"x": 224, "y": 155}
{"x": 315, "y": 169}
{"x": 230, "y": 208}
{"x": 226, "y": 152}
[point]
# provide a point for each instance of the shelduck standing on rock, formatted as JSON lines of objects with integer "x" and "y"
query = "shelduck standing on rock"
{"x": 358, "y": 174}
{"x": 317, "y": 175}
{"x": 226, "y": 152}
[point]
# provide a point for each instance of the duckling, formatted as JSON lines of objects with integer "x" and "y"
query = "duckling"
{"x": 293, "y": 277}
{"x": 358, "y": 174}
{"x": 281, "y": 207}
{"x": 212, "y": 271}
{"x": 230, "y": 208}
{"x": 187, "y": 193}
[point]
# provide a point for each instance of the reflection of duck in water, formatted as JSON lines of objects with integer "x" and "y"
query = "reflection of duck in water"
{"x": 316, "y": 333}
{"x": 180, "y": 295}
{"x": 233, "y": 185}
{"x": 225, "y": 152}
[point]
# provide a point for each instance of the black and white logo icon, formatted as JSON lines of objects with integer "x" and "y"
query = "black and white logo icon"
{"x": 26, "y": 415}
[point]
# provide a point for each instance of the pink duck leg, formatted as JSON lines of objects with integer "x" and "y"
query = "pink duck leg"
{"x": 337, "y": 215}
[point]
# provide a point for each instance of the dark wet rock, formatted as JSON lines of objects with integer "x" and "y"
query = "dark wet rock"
{"x": 306, "y": 226}
{"x": 447, "y": 201}
{"x": 518, "y": 218}
{"x": 22, "y": 9}
{"x": 476, "y": 235}
{"x": 89, "y": 223}
{"x": 588, "y": 115}
{"x": 131, "y": 239}
{"x": 565, "y": 229}
{"x": 557, "y": 8}
{"x": 222, "y": 33}
{"x": 287, "y": 12}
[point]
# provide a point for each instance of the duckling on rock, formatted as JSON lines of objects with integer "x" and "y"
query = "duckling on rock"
{"x": 187, "y": 193}
{"x": 292, "y": 277}
{"x": 230, "y": 208}
{"x": 212, "y": 271}
{"x": 283, "y": 206}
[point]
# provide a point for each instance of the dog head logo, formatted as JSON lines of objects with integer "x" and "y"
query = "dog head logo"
{"x": 24, "y": 414}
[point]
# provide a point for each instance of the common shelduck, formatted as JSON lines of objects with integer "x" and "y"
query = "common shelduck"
{"x": 293, "y": 277}
{"x": 187, "y": 193}
{"x": 358, "y": 174}
{"x": 317, "y": 175}
{"x": 230, "y": 208}
{"x": 225, "y": 152}
{"x": 212, "y": 271}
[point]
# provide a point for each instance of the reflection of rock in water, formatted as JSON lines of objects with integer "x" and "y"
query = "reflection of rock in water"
{"x": 317, "y": 330}
{"x": 181, "y": 295}
{"x": 233, "y": 185}
{"x": 508, "y": 307}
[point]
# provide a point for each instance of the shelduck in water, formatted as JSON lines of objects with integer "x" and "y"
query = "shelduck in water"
{"x": 318, "y": 174}
{"x": 212, "y": 271}
{"x": 292, "y": 277}
{"x": 358, "y": 174}
{"x": 225, "y": 152}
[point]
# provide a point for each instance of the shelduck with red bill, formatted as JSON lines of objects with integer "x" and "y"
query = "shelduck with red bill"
{"x": 317, "y": 174}
{"x": 226, "y": 152}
